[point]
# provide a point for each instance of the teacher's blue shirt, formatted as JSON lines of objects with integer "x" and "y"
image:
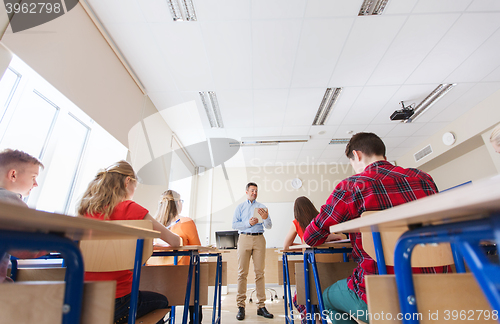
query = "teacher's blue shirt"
{"x": 242, "y": 216}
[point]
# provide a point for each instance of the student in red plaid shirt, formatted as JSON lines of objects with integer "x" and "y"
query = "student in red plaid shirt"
{"x": 377, "y": 185}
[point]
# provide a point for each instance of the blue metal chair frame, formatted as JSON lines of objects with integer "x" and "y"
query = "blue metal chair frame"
{"x": 287, "y": 290}
{"x": 194, "y": 265}
{"x": 15, "y": 240}
{"x": 309, "y": 258}
{"x": 466, "y": 236}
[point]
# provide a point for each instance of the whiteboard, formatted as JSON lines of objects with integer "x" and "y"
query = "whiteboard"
{"x": 282, "y": 216}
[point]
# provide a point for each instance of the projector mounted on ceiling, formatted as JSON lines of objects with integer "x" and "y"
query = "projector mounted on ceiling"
{"x": 403, "y": 114}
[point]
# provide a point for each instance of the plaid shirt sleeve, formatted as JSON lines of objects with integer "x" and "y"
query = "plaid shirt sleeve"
{"x": 339, "y": 207}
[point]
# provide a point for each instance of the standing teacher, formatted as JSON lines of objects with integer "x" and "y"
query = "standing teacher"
{"x": 251, "y": 243}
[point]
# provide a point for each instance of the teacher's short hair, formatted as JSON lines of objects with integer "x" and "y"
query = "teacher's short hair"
{"x": 251, "y": 184}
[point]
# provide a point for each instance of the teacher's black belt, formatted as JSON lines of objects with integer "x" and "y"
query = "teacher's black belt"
{"x": 253, "y": 234}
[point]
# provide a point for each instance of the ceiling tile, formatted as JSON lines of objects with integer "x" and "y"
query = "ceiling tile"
{"x": 393, "y": 142}
{"x": 484, "y": 5}
{"x": 269, "y": 107}
{"x": 302, "y": 105}
{"x": 366, "y": 45}
{"x": 320, "y": 46}
{"x": 238, "y": 133}
{"x": 290, "y": 147}
{"x": 229, "y": 48}
{"x": 380, "y": 129}
{"x": 493, "y": 76}
{"x": 296, "y": 130}
{"x": 417, "y": 38}
{"x": 346, "y": 131}
{"x": 155, "y": 11}
{"x": 405, "y": 129}
{"x": 262, "y": 153}
{"x": 479, "y": 65}
{"x": 430, "y": 6}
{"x": 399, "y": 7}
{"x": 273, "y": 44}
{"x": 322, "y": 132}
{"x": 332, "y": 154}
{"x": 267, "y": 131}
{"x": 187, "y": 60}
{"x": 219, "y": 10}
{"x": 332, "y": 8}
{"x": 455, "y": 47}
{"x": 278, "y": 9}
{"x": 236, "y": 108}
{"x": 369, "y": 103}
{"x": 344, "y": 103}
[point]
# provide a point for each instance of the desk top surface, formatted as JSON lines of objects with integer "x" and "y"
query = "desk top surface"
{"x": 19, "y": 218}
{"x": 328, "y": 245}
{"x": 469, "y": 202}
{"x": 199, "y": 248}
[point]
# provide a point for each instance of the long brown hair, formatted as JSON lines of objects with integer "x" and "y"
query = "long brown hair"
{"x": 167, "y": 207}
{"x": 106, "y": 190}
{"x": 304, "y": 211}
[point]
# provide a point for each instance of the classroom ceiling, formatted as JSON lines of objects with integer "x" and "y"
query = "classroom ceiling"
{"x": 270, "y": 62}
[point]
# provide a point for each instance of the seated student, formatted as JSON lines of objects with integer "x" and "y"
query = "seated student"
{"x": 168, "y": 215}
{"x": 109, "y": 197}
{"x": 18, "y": 173}
{"x": 377, "y": 185}
{"x": 303, "y": 213}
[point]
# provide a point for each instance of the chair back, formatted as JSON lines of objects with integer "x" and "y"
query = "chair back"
{"x": 429, "y": 255}
{"x": 115, "y": 255}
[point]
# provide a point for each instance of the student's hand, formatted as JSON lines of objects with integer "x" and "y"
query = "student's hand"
{"x": 253, "y": 221}
{"x": 263, "y": 213}
{"x": 334, "y": 237}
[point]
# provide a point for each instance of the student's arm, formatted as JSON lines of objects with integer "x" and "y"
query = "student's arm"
{"x": 166, "y": 235}
{"x": 290, "y": 237}
{"x": 334, "y": 237}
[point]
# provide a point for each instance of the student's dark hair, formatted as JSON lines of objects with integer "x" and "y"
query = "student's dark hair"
{"x": 304, "y": 211}
{"x": 368, "y": 143}
{"x": 12, "y": 158}
{"x": 250, "y": 184}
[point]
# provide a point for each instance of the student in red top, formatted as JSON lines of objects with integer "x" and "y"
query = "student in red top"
{"x": 303, "y": 213}
{"x": 377, "y": 185}
{"x": 109, "y": 197}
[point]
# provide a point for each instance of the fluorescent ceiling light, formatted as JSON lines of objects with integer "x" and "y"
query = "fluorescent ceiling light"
{"x": 211, "y": 105}
{"x": 182, "y": 10}
{"x": 325, "y": 108}
{"x": 340, "y": 141}
{"x": 431, "y": 99}
{"x": 270, "y": 140}
{"x": 372, "y": 7}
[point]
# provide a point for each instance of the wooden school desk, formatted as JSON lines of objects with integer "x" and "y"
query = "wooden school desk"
{"x": 23, "y": 228}
{"x": 193, "y": 251}
{"x": 309, "y": 253}
{"x": 463, "y": 216}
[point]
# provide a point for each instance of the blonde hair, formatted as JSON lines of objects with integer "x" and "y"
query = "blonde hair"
{"x": 495, "y": 136}
{"x": 106, "y": 190}
{"x": 167, "y": 207}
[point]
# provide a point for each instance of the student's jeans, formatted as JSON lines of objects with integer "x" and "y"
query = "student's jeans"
{"x": 148, "y": 301}
{"x": 340, "y": 301}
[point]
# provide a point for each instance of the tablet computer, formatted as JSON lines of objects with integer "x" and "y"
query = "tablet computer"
{"x": 257, "y": 215}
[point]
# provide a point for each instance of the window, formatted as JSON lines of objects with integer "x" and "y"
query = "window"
{"x": 39, "y": 120}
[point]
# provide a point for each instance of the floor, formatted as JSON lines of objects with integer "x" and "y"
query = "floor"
{"x": 229, "y": 309}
